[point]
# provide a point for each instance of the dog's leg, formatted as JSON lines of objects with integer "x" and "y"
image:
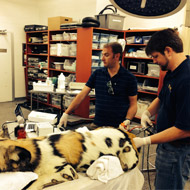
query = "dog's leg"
{"x": 62, "y": 173}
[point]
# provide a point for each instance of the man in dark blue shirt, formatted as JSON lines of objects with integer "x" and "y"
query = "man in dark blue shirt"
{"x": 173, "y": 109}
{"x": 115, "y": 89}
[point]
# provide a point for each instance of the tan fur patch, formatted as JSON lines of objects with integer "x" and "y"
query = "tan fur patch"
{"x": 131, "y": 136}
{"x": 24, "y": 143}
{"x": 3, "y": 164}
{"x": 71, "y": 151}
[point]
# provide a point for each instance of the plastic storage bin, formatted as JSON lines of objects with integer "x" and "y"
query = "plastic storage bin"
{"x": 58, "y": 65}
{"x": 111, "y": 21}
{"x": 153, "y": 70}
{"x": 95, "y": 45}
{"x": 102, "y": 44}
{"x": 104, "y": 37}
{"x": 96, "y": 37}
{"x": 113, "y": 38}
{"x": 146, "y": 39}
{"x": 130, "y": 39}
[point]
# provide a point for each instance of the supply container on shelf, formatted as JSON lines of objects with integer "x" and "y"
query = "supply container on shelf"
{"x": 73, "y": 36}
{"x": 153, "y": 70}
{"x": 96, "y": 37}
{"x": 53, "y": 49}
{"x": 104, "y": 37}
{"x": 61, "y": 82}
{"x": 113, "y": 38}
{"x": 58, "y": 65}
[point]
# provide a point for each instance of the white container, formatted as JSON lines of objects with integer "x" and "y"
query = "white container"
{"x": 96, "y": 37}
{"x": 66, "y": 36}
{"x": 65, "y": 49}
{"x": 48, "y": 81}
{"x": 60, "y": 51}
{"x": 73, "y": 49}
{"x": 53, "y": 49}
{"x": 68, "y": 100}
{"x": 58, "y": 65}
{"x": 73, "y": 36}
{"x": 59, "y": 37}
{"x": 61, "y": 82}
{"x": 53, "y": 37}
{"x": 43, "y": 86}
{"x": 130, "y": 39}
{"x": 95, "y": 45}
{"x": 104, "y": 37}
{"x": 44, "y": 128}
{"x": 113, "y": 38}
{"x": 153, "y": 70}
{"x": 69, "y": 65}
{"x": 102, "y": 44}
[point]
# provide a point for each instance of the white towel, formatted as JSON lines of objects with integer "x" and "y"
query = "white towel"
{"x": 16, "y": 180}
{"x": 82, "y": 129}
{"x": 105, "y": 168}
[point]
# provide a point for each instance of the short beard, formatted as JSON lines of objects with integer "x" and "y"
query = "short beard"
{"x": 165, "y": 67}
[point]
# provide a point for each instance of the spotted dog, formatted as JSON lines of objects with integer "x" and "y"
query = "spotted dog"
{"x": 58, "y": 157}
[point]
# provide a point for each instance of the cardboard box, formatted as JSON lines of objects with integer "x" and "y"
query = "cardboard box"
{"x": 55, "y": 22}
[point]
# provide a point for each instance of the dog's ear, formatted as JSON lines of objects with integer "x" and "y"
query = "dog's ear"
{"x": 19, "y": 158}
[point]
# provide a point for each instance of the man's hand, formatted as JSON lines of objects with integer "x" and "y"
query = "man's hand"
{"x": 63, "y": 120}
{"x": 141, "y": 141}
{"x": 145, "y": 118}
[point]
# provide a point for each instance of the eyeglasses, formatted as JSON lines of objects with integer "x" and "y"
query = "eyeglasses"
{"x": 110, "y": 87}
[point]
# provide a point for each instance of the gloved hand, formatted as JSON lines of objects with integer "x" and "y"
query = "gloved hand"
{"x": 141, "y": 141}
{"x": 145, "y": 118}
{"x": 63, "y": 120}
{"x": 125, "y": 125}
{"x": 20, "y": 119}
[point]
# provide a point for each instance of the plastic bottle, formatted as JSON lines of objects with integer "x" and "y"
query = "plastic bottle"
{"x": 61, "y": 82}
{"x": 48, "y": 81}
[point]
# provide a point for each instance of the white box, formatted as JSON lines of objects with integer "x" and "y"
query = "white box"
{"x": 44, "y": 128}
{"x": 42, "y": 86}
{"x": 42, "y": 117}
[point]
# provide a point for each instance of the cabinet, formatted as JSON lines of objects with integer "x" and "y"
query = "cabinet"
{"x": 149, "y": 76}
{"x": 36, "y": 60}
{"x": 82, "y": 52}
{"x": 83, "y": 39}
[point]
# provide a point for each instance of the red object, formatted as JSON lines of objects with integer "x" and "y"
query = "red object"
{"x": 21, "y": 133}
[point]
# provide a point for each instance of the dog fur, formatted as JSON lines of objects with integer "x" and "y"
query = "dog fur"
{"x": 58, "y": 157}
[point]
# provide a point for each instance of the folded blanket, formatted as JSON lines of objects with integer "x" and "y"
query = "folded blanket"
{"x": 105, "y": 168}
{"x": 16, "y": 180}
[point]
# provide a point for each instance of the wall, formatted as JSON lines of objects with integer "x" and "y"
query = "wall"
{"x": 75, "y": 9}
{"x": 14, "y": 14}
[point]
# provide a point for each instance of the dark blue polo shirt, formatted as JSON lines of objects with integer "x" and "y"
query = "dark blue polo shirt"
{"x": 175, "y": 99}
{"x": 111, "y": 109}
